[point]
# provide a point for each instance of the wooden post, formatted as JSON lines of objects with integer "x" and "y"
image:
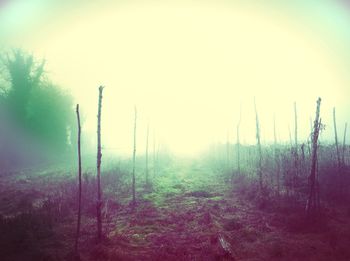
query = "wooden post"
{"x": 227, "y": 152}
{"x": 157, "y": 155}
{"x": 147, "y": 181}
{"x": 238, "y": 152}
{"x": 311, "y": 203}
{"x": 238, "y": 142}
{"x": 99, "y": 157}
{"x": 296, "y": 127}
{"x": 336, "y": 139}
{"x": 296, "y": 156}
{"x": 290, "y": 137}
{"x": 302, "y": 163}
{"x": 344, "y": 144}
{"x": 276, "y": 156}
{"x": 79, "y": 182}
{"x": 259, "y": 148}
{"x": 133, "y": 162}
{"x": 310, "y": 137}
{"x": 154, "y": 155}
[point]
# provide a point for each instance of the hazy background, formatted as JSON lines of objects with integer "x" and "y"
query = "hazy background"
{"x": 189, "y": 66}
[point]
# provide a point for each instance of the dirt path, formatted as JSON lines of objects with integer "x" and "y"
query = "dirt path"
{"x": 207, "y": 221}
{"x": 191, "y": 214}
{"x": 203, "y": 220}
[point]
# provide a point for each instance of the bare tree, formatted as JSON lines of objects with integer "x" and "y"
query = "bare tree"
{"x": 311, "y": 205}
{"x": 133, "y": 162}
{"x": 99, "y": 157}
{"x": 259, "y": 147}
{"x": 79, "y": 181}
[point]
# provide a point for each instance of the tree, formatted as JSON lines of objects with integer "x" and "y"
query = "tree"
{"x": 24, "y": 75}
{"x": 37, "y": 111}
{"x": 49, "y": 116}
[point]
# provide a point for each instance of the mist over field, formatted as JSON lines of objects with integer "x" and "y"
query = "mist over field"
{"x": 190, "y": 67}
{"x": 174, "y": 130}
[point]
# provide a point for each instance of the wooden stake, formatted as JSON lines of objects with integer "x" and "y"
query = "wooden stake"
{"x": 344, "y": 144}
{"x": 227, "y": 152}
{"x": 147, "y": 181}
{"x": 290, "y": 137}
{"x": 259, "y": 148}
{"x": 99, "y": 157}
{"x": 238, "y": 142}
{"x": 296, "y": 127}
{"x": 296, "y": 156}
{"x": 276, "y": 156}
{"x": 311, "y": 203}
{"x": 133, "y": 162}
{"x": 79, "y": 181}
{"x": 336, "y": 140}
{"x": 154, "y": 155}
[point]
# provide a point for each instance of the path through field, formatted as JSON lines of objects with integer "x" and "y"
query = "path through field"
{"x": 196, "y": 216}
{"x": 192, "y": 213}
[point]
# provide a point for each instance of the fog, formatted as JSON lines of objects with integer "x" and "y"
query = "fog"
{"x": 191, "y": 68}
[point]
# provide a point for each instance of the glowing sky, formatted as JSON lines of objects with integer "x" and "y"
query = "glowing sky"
{"x": 188, "y": 66}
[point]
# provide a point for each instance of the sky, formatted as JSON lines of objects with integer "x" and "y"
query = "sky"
{"x": 191, "y": 67}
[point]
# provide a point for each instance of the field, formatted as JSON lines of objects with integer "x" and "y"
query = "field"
{"x": 190, "y": 212}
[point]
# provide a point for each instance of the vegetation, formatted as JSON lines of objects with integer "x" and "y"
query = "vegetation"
{"x": 234, "y": 202}
{"x": 191, "y": 212}
{"x": 36, "y": 114}
{"x": 191, "y": 209}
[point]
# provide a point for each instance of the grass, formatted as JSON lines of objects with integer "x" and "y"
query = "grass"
{"x": 180, "y": 217}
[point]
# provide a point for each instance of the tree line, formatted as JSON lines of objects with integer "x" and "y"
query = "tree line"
{"x": 35, "y": 112}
